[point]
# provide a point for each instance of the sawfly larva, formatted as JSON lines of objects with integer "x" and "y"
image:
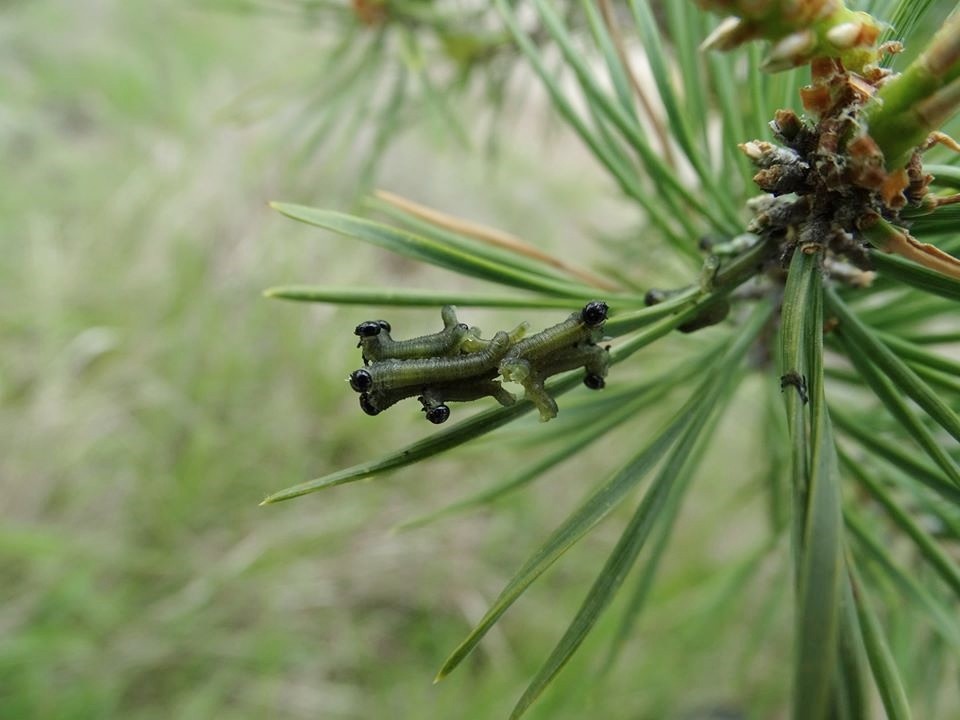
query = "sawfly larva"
{"x": 376, "y": 343}
{"x": 391, "y": 374}
{"x": 593, "y": 358}
{"x": 433, "y": 396}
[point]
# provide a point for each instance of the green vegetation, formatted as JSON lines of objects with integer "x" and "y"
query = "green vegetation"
{"x": 150, "y": 396}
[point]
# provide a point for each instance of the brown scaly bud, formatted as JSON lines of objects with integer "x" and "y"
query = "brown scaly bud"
{"x": 781, "y": 169}
{"x": 776, "y": 213}
{"x": 816, "y": 99}
{"x": 865, "y": 159}
{"x": 783, "y": 179}
{"x": 786, "y": 125}
{"x": 828, "y": 87}
{"x": 867, "y": 170}
{"x": 813, "y": 235}
{"x": 764, "y": 154}
{"x": 918, "y": 181}
{"x": 831, "y": 189}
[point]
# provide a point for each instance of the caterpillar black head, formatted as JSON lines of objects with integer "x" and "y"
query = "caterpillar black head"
{"x": 367, "y": 406}
{"x": 370, "y": 328}
{"x": 594, "y": 382}
{"x": 438, "y": 414}
{"x": 361, "y": 380}
{"x": 594, "y": 313}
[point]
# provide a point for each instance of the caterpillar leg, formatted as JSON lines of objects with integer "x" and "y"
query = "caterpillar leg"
{"x": 519, "y": 371}
{"x": 536, "y": 394}
{"x": 597, "y": 363}
{"x": 448, "y": 314}
{"x": 434, "y": 398}
{"x": 515, "y": 370}
{"x": 594, "y": 359}
{"x": 472, "y": 342}
{"x": 501, "y": 395}
{"x": 374, "y": 402}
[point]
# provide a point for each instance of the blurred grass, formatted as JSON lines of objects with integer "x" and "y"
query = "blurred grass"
{"x": 150, "y": 397}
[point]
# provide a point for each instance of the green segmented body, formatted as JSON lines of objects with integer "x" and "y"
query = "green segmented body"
{"x": 390, "y": 374}
{"x": 440, "y": 344}
{"x": 570, "y": 332}
{"x": 437, "y": 393}
{"x": 472, "y": 342}
{"x": 593, "y": 358}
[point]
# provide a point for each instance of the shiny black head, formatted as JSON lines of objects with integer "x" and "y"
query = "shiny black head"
{"x": 438, "y": 414}
{"x": 594, "y": 313}
{"x": 368, "y": 407}
{"x": 594, "y": 382}
{"x": 370, "y": 328}
{"x": 361, "y": 380}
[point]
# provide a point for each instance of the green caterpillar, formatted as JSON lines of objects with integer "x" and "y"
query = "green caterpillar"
{"x": 565, "y": 346}
{"x": 581, "y": 327}
{"x": 472, "y": 342}
{"x": 593, "y": 358}
{"x": 457, "y": 365}
{"x": 376, "y": 343}
{"x": 434, "y": 397}
{"x": 392, "y": 374}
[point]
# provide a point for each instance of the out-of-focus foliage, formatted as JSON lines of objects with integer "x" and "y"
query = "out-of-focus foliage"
{"x": 149, "y": 395}
{"x": 803, "y": 266}
{"x": 378, "y": 67}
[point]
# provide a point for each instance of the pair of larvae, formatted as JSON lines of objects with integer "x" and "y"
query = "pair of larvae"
{"x": 457, "y": 365}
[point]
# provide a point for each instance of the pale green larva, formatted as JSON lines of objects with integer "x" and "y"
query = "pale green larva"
{"x": 593, "y": 358}
{"x": 376, "y": 343}
{"x": 435, "y": 396}
{"x": 391, "y": 374}
{"x": 581, "y": 327}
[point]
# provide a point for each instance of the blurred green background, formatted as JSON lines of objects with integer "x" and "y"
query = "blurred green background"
{"x": 150, "y": 397}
